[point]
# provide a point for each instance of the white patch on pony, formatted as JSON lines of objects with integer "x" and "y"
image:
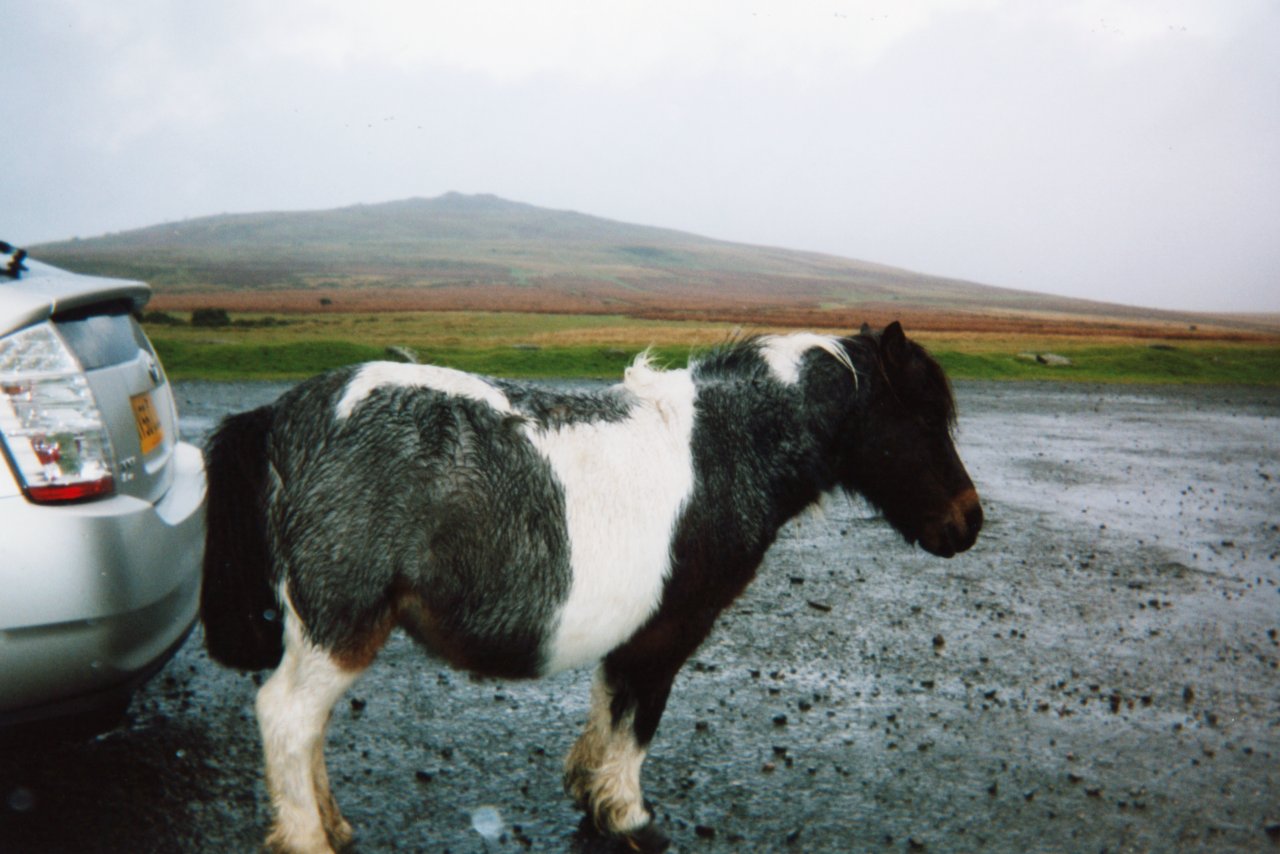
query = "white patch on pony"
{"x": 293, "y": 709}
{"x": 625, "y": 484}
{"x": 447, "y": 380}
{"x": 785, "y": 353}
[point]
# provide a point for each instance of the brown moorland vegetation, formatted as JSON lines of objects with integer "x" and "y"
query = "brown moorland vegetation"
{"x": 758, "y": 313}
{"x": 482, "y": 253}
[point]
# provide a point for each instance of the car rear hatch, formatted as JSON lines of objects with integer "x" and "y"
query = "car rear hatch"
{"x": 94, "y": 318}
{"x": 132, "y": 394}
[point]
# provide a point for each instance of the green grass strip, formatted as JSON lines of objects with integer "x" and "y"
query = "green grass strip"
{"x": 477, "y": 343}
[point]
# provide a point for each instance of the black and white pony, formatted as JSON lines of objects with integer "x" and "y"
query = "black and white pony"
{"x": 518, "y": 531}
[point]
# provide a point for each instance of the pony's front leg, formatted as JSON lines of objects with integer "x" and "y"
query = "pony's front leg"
{"x": 293, "y": 712}
{"x": 628, "y": 697}
{"x": 602, "y": 771}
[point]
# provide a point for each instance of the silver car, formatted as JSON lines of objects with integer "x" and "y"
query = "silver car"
{"x": 101, "y": 505}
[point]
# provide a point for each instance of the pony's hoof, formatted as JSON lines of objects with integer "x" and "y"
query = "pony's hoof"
{"x": 277, "y": 843}
{"x": 650, "y": 839}
{"x": 647, "y": 839}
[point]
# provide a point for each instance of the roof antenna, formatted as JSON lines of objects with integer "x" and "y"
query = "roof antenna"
{"x": 14, "y": 268}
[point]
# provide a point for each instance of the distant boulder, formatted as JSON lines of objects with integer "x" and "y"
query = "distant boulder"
{"x": 211, "y": 317}
{"x": 1052, "y": 360}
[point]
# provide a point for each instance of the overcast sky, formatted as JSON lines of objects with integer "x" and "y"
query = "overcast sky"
{"x": 1123, "y": 151}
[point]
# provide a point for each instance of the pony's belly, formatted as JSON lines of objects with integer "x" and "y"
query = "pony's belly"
{"x": 507, "y": 655}
{"x": 595, "y": 622}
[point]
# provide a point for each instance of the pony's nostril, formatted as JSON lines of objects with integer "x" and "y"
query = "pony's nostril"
{"x": 973, "y": 519}
{"x": 965, "y": 520}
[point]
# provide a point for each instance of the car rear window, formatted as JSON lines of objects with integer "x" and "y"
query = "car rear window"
{"x": 102, "y": 337}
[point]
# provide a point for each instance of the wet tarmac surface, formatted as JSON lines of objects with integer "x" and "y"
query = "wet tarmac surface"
{"x": 1098, "y": 673}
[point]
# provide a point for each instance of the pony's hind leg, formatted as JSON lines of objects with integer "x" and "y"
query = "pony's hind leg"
{"x": 293, "y": 712}
{"x": 338, "y": 828}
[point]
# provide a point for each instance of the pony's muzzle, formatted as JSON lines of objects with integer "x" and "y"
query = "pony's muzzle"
{"x": 957, "y": 529}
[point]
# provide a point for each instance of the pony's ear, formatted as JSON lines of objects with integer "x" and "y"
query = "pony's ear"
{"x": 866, "y": 329}
{"x": 893, "y": 342}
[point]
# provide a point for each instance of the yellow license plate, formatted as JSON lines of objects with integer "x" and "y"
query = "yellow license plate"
{"x": 150, "y": 432}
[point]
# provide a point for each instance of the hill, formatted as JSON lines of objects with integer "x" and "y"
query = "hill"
{"x": 482, "y": 252}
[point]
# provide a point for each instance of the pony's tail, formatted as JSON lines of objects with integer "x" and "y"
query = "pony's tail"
{"x": 242, "y": 622}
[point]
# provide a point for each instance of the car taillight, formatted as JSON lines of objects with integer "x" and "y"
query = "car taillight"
{"x": 53, "y": 431}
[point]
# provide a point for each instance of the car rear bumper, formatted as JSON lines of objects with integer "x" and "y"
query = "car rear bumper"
{"x": 109, "y": 590}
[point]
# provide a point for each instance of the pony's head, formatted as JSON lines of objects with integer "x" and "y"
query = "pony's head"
{"x": 898, "y": 450}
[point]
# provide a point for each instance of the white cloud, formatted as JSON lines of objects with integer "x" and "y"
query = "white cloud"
{"x": 1092, "y": 147}
{"x": 1137, "y": 21}
{"x": 626, "y": 41}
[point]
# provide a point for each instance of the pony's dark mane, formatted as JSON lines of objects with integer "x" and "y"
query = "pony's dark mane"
{"x": 738, "y": 356}
{"x": 918, "y": 381}
{"x": 742, "y": 357}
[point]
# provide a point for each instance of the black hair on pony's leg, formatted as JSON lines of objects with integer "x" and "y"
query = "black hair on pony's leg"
{"x": 242, "y": 625}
